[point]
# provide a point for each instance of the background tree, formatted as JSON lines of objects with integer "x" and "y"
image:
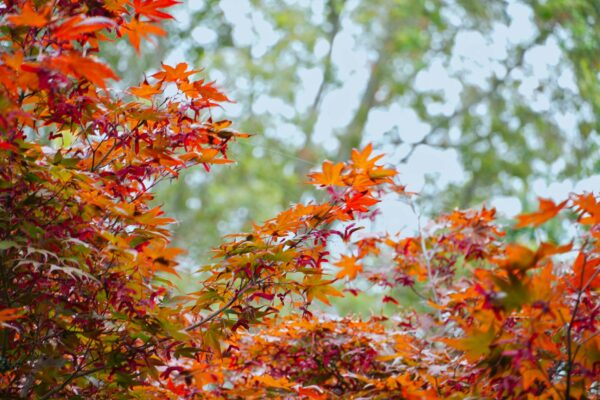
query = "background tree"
{"x": 82, "y": 306}
{"x": 88, "y": 305}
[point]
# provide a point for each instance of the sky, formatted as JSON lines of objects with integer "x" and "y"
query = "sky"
{"x": 475, "y": 57}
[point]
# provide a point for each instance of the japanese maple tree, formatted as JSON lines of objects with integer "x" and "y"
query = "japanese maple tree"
{"x": 88, "y": 306}
{"x": 81, "y": 248}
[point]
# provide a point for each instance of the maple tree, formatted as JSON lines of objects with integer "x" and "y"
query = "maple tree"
{"x": 503, "y": 321}
{"x": 81, "y": 248}
{"x": 89, "y": 309}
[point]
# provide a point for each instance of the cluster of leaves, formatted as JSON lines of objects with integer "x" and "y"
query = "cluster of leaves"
{"x": 86, "y": 304}
{"x": 88, "y": 307}
{"x": 503, "y": 321}
{"x": 80, "y": 245}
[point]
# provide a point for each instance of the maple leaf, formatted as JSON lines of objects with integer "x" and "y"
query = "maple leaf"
{"x": 83, "y": 67}
{"x": 220, "y": 125}
{"x": 151, "y": 8}
{"x": 517, "y": 257}
{"x": 209, "y": 91}
{"x": 170, "y": 74}
{"x": 151, "y": 392}
{"x": 116, "y": 6}
{"x": 530, "y": 377}
{"x": 549, "y": 249}
{"x": 361, "y": 160}
{"x": 7, "y": 146}
{"x": 29, "y": 17}
{"x": 206, "y": 91}
{"x": 321, "y": 290}
{"x": 209, "y": 156}
{"x": 349, "y": 267}
{"x": 548, "y": 210}
{"x": 266, "y": 296}
{"x": 586, "y": 273}
{"x": 136, "y": 30}
{"x": 280, "y": 383}
{"x": 587, "y": 204}
{"x": 379, "y": 173}
{"x": 153, "y": 217}
{"x": 180, "y": 390}
{"x": 76, "y": 27}
{"x": 312, "y": 393}
{"x": 146, "y": 91}
{"x": 360, "y": 202}
{"x": 331, "y": 175}
{"x": 219, "y": 130}
{"x": 475, "y": 344}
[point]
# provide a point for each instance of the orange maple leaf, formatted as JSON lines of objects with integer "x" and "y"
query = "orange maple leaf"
{"x": 151, "y": 8}
{"x": 359, "y": 202}
{"x": 153, "y": 217}
{"x": 146, "y": 91}
{"x": 587, "y": 273}
{"x": 311, "y": 392}
{"x": 320, "y": 290}
{"x": 381, "y": 173}
{"x": 475, "y": 344}
{"x": 548, "y": 209}
{"x": 76, "y": 27}
{"x": 136, "y": 30}
{"x": 587, "y": 204}
{"x": 83, "y": 67}
{"x": 331, "y": 175}
{"x": 361, "y": 160}
{"x": 280, "y": 383}
{"x": 549, "y": 249}
{"x": 209, "y": 91}
{"x": 208, "y": 156}
{"x": 349, "y": 267}
{"x": 170, "y": 74}
{"x": 517, "y": 257}
{"x": 29, "y": 17}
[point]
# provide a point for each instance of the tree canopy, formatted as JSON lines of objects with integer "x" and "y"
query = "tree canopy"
{"x": 90, "y": 307}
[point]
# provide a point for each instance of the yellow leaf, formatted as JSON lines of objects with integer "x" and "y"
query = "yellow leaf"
{"x": 475, "y": 344}
{"x": 320, "y": 290}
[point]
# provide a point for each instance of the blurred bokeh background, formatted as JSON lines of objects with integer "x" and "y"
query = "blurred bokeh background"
{"x": 474, "y": 101}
